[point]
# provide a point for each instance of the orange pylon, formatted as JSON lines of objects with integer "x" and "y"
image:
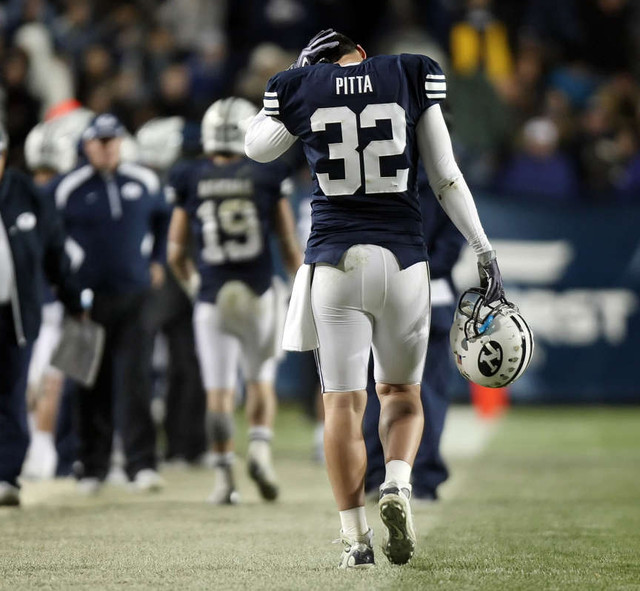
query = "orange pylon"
{"x": 489, "y": 402}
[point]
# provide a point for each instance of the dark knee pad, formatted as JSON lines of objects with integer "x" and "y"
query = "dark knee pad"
{"x": 220, "y": 427}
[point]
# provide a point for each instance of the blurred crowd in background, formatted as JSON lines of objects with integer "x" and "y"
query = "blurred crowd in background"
{"x": 543, "y": 94}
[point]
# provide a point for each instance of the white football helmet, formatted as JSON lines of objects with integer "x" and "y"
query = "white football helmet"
{"x": 36, "y": 154}
{"x": 129, "y": 151}
{"x": 53, "y": 144}
{"x": 65, "y": 132}
{"x": 160, "y": 142}
{"x": 491, "y": 343}
{"x": 225, "y": 124}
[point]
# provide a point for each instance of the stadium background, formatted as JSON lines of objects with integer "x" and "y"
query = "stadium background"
{"x": 545, "y": 115}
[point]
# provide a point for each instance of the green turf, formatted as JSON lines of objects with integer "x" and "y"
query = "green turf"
{"x": 552, "y": 503}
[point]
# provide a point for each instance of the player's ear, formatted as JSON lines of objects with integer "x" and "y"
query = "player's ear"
{"x": 361, "y": 51}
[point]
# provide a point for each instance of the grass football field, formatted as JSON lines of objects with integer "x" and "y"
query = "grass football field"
{"x": 544, "y": 498}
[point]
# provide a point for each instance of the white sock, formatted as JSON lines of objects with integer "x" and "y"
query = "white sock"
{"x": 43, "y": 439}
{"x": 354, "y": 523}
{"x": 260, "y": 433}
{"x": 398, "y": 471}
{"x": 260, "y": 451}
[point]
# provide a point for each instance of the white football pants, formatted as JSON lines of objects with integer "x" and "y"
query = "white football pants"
{"x": 237, "y": 332}
{"x": 45, "y": 344}
{"x": 369, "y": 301}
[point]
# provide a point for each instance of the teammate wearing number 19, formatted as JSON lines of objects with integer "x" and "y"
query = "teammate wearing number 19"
{"x": 232, "y": 205}
{"x": 364, "y": 123}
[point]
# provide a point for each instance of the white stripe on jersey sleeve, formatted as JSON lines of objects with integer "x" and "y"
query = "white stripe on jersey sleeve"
{"x": 271, "y": 103}
{"x": 435, "y": 86}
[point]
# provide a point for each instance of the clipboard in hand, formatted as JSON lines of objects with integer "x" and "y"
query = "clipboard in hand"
{"x": 79, "y": 352}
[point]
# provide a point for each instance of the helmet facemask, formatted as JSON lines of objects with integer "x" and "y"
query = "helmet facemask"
{"x": 491, "y": 342}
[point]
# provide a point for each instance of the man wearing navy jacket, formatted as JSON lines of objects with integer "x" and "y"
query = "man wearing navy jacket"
{"x": 31, "y": 241}
{"x": 444, "y": 243}
{"x": 117, "y": 217}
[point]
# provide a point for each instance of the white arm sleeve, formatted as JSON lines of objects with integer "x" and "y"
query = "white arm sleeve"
{"x": 446, "y": 180}
{"x": 267, "y": 138}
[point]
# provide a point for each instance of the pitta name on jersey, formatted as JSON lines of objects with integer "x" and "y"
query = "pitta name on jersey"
{"x": 353, "y": 84}
{"x": 224, "y": 188}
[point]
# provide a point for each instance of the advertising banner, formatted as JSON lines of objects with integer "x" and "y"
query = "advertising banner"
{"x": 574, "y": 272}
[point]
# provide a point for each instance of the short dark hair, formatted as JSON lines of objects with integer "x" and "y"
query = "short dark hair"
{"x": 332, "y": 55}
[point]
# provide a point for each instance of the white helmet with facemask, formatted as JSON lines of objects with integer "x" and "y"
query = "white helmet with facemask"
{"x": 160, "y": 142}
{"x": 225, "y": 124}
{"x": 491, "y": 343}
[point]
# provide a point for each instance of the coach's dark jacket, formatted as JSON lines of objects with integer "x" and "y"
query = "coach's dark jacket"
{"x": 117, "y": 223}
{"x": 36, "y": 238}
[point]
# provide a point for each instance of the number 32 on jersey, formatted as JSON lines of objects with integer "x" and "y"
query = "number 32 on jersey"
{"x": 347, "y": 149}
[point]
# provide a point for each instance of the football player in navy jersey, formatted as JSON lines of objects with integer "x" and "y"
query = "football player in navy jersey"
{"x": 231, "y": 206}
{"x": 44, "y": 382}
{"x": 364, "y": 123}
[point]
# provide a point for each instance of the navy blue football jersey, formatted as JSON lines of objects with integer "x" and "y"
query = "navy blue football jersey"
{"x": 358, "y": 128}
{"x": 231, "y": 209}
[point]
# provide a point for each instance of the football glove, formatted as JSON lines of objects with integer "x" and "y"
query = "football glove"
{"x": 490, "y": 277}
{"x": 311, "y": 53}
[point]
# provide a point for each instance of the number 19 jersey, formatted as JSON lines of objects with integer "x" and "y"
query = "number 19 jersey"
{"x": 358, "y": 127}
{"x": 231, "y": 209}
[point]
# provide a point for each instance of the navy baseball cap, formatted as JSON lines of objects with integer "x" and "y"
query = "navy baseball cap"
{"x": 103, "y": 126}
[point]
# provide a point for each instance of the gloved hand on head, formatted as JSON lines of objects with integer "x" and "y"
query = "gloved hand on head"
{"x": 310, "y": 55}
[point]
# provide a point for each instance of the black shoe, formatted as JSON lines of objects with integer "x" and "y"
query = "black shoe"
{"x": 265, "y": 479}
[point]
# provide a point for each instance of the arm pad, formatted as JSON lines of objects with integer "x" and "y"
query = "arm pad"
{"x": 267, "y": 138}
{"x": 446, "y": 180}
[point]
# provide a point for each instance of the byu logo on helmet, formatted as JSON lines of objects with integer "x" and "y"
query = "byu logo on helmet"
{"x": 491, "y": 342}
{"x": 490, "y": 358}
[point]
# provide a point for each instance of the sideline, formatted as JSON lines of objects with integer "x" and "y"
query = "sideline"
{"x": 466, "y": 436}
